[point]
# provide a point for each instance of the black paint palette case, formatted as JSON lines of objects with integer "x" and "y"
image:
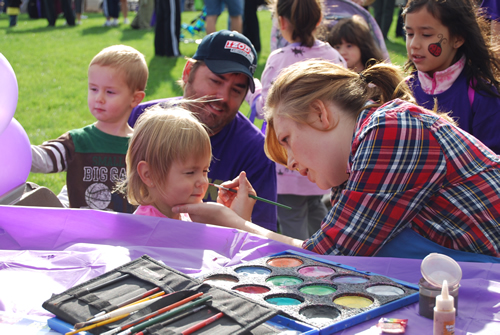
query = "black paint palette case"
{"x": 242, "y": 315}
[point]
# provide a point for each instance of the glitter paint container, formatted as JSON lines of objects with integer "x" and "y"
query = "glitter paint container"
{"x": 435, "y": 268}
{"x": 427, "y": 298}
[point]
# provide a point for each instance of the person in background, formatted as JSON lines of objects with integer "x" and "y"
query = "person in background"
{"x": 111, "y": 11}
{"x": 79, "y": 11}
{"x": 13, "y": 11}
{"x": 124, "y": 10}
{"x": 454, "y": 65}
{"x": 51, "y": 14}
{"x": 251, "y": 27}
{"x": 234, "y": 8}
{"x": 383, "y": 11}
{"x": 167, "y": 28}
{"x": 394, "y": 166}
{"x": 144, "y": 14}
{"x": 352, "y": 38}
{"x": 298, "y": 20}
{"x": 94, "y": 156}
{"x": 221, "y": 72}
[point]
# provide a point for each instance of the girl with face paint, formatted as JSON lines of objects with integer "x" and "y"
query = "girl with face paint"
{"x": 453, "y": 65}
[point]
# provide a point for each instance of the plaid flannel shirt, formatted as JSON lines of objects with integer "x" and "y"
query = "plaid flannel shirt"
{"x": 410, "y": 167}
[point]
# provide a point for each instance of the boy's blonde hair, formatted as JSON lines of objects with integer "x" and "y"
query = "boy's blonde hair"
{"x": 163, "y": 134}
{"x": 127, "y": 60}
{"x": 302, "y": 83}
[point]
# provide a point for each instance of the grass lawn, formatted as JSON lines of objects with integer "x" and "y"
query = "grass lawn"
{"x": 51, "y": 69}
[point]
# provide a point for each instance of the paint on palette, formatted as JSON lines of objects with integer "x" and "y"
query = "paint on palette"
{"x": 285, "y": 262}
{"x": 320, "y": 313}
{"x": 283, "y": 301}
{"x": 353, "y": 301}
{"x": 317, "y": 289}
{"x": 284, "y": 280}
{"x": 350, "y": 280}
{"x": 385, "y": 290}
{"x": 224, "y": 278}
{"x": 316, "y": 271}
{"x": 252, "y": 289}
{"x": 253, "y": 270}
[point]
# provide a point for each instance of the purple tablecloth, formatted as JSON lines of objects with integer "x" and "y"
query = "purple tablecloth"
{"x": 46, "y": 251}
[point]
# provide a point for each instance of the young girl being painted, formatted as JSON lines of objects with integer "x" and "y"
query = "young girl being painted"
{"x": 454, "y": 65}
{"x": 167, "y": 163}
{"x": 298, "y": 20}
{"x": 352, "y": 38}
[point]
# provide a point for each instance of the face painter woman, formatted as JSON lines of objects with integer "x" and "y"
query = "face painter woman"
{"x": 405, "y": 181}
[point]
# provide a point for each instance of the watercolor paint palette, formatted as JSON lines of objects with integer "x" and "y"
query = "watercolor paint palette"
{"x": 326, "y": 295}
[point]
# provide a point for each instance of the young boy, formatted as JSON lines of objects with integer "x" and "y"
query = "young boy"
{"x": 94, "y": 156}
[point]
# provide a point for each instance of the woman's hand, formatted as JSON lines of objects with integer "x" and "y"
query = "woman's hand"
{"x": 211, "y": 213}
{"x": 239, "y": 202}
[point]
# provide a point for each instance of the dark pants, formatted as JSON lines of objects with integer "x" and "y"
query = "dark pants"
{"x": 51, "y": 14}
{"x": 12, "y": 20}
{"x": 383, "y": 11}
{"x": 251, "y": 22}
{"x": 168, "y": 28}
{"x": 113, "y": 8}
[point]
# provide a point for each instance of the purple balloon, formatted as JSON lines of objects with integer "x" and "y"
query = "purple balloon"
{"x": 8, "y": 93}
{"x": 16, "y": 152}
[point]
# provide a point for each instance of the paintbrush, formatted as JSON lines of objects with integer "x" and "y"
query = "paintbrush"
{"x": 165, "y": 316}
{"x": 134, "y": 300}
{"x": 153, "y": 314}
{"x": 251, "y": 196}
{"x": 98, "y": 324}
{"x": 117, "y": 312}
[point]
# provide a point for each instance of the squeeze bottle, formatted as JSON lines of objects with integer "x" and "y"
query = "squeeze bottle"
{"x": 444, "y": 313}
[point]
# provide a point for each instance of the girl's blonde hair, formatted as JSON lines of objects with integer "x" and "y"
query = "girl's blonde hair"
{"x": 302, "y": 83}
{"x": 163, "y": 134}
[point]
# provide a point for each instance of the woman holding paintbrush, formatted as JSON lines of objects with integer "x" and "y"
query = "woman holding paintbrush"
{"x": 396, "y": 170}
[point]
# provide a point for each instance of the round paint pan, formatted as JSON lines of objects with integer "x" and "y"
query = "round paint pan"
{"x": 353, "y": 301}
{"x": 349, "y": 279}
{"x": 385, "y": 290}
{"x": 320, "y": 313}
{"x": 253, "y": 271}
{"x": 222, "y": 278}
{"x": 284, "y": 299}
{"x": 318, "y": 289}
{"x": 284, "y": 280}
{"x": 285, "y": 262}
{"x": 316, "y": 271}
{"x": 252, "y": 289}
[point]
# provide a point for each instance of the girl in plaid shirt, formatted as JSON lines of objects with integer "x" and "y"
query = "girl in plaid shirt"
{"x": 391, "y": 164}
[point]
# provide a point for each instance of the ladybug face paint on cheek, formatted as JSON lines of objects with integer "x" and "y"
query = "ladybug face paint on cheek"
{"x": 435, "y": 48}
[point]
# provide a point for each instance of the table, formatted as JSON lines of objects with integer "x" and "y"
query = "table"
{"x": 48, "y": 250}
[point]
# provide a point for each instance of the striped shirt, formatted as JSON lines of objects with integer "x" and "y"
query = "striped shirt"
{"x": 410, "y": 167}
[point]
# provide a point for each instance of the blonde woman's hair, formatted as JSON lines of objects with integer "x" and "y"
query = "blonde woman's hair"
{"x": 164, "y": 133}
{"x": 302, "y": 83}
{"x": 127, "y": 60}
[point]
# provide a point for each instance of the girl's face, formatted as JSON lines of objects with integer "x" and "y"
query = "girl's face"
{"x": 351, "y": 54}
{"x": 320, "y": 155}
{"x": 428, "y": 43}
{"x": 186, "y": 183}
